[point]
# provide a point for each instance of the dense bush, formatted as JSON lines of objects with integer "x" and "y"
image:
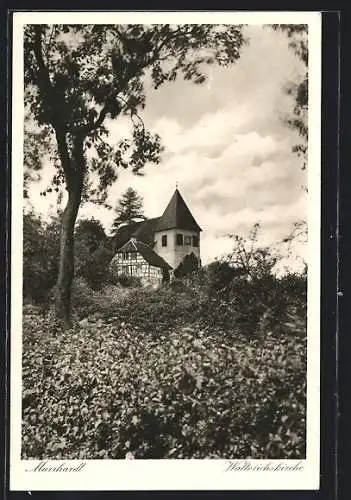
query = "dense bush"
{"x": 244, "y": 294}
{"x": 127, "y": 281}
{"x": 239, "y": 294}
{"x": 220, "y": 275}
{"x": 189, "y": 265}
{"x": 212, "y": 364}
{"x": 95, "y": 267}
{"x": 101, "y": 390}
{"x": 254, "y": 306}
{"x": 242, "y": 307}
{"x": 92, "y": 254}
{"x": 87, "y": 302}
{"x": 40, "y": 257}
{"x": 41, "y": 254}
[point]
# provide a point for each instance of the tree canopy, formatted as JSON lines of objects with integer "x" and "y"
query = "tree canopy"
{"x": 79, "y": 76}
{"x": 90, "y": 232}
{"x": 129, "y": 208}
{"x": 298, "y": 120}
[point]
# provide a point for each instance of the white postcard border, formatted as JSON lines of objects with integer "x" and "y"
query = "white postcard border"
{"x": 170, "y": 474}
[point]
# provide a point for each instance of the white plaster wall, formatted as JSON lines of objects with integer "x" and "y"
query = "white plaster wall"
{"x": 172, "y": 253}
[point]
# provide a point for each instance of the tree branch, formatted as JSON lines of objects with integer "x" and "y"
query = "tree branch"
{"x": 53, "y": 106}
{"x": 133, "y": 113}
{"x": 44, "y": 76}
{"x": 175, "y": 34}
{"x": 50, "y": 40}
{"x": 87, "y": 129}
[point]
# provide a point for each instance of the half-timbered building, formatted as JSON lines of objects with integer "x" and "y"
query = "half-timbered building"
{"x": 152, "y": 249}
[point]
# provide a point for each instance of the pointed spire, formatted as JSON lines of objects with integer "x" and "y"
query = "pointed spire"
{"x": 177, "y": 215}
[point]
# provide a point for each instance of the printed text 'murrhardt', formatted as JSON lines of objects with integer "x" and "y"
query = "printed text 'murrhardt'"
{"x": 44, "y": 467}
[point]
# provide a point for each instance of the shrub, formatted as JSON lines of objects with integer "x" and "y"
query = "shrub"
{"x": 85, "y": 301}
{"x": 40, "y": 256}
{"x": 189, "y": 265}
{"x": 220, "y": 275}
{"x": 32, "y": 309}
{"x": 95, "y": 268}
{"x": 211, "y": 365}
{"x": 102, "y": 390}
{"x": 242, "y": 308}
{"x": 155, "y": 311}
{"x": 177, "y": 284}
{"x": 92, "y": 253}
{"x": 128, "y": 281}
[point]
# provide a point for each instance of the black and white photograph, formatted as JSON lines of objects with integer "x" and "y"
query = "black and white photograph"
{"x": 165, "y": 179}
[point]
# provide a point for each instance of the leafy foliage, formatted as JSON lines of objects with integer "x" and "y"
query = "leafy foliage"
{"x": 239, "y": 294}
{"x": 298, "y": 42}
{"x": 211, "y": 365}
{"x": 129, "y": 208}
{"x": 244, "y": 291}
{"x": 221, "y": 274}
{"x": 250, "y": 260}
{"x": 189, "y": 265}
{"x": 102, "y": 390}
{"x": 40, "y": 256}
{"x": 92, "y": 253}
{"x": 90, "y": 233}
{"x": 94, "y": 268}
{"x": 128, "y": 281}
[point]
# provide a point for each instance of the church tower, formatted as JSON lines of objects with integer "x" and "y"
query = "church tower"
{"x": 177, "y": 233}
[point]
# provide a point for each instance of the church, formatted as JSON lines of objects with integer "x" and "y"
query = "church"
{"x": 154, "y": 248}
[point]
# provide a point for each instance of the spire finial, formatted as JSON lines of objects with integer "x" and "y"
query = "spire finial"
{"x": 177, "y": 184}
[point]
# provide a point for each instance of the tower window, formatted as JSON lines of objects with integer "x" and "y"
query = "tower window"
{"x": 187, "y": 240}
{"x": 164, "y": 240}
{"x": 195, "y": 241}
{"x": 179, "y": 239}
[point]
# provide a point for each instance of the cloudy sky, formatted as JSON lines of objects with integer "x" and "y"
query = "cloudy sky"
{"x": 227, "y": 147}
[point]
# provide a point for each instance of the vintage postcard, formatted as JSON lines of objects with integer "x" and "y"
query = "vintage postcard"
{"x": 165, "y": 266}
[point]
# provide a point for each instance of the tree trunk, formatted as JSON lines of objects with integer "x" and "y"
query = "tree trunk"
{"x": 73, "y": 166}
{"x": 66, "y": 261}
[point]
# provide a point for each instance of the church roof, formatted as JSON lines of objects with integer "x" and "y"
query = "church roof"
{"x": 177, "y": 215}
{"x": 147, "y": 252}
{"x": 143, "y": 231}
